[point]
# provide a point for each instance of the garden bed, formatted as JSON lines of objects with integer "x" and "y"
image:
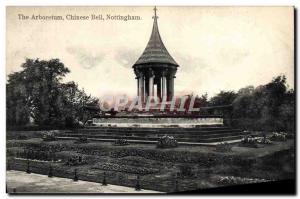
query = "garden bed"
{"x": 193, "y": 167}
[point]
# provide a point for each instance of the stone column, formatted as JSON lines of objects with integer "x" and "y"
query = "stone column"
{"x": 151, "y": 83}
{"x": 164, "y": 85}
{"x": 141, "y": 87}
{"x": 170, "y": 87}
{"x": 138, "y": 86}
{"x": 159, "y": 88}
{"x": 144, "y": 90}
{"x": 147, "y": 91}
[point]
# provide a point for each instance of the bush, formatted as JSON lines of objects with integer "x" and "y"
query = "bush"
{"x": 82, "y": 139}
{"x": 223, "y": 147}
{"x": 281, "y": 136}
{"x": 22, "y": 137}
{"x": 185, "y": 170}
{"x": 76, "y": 160}
{"x": 32, "y": 154}
{"x": 230, "y": 180}
{"x": 253, "y": 141}
{"x": 126, "y": 168}
{"x": 136, "y": 161}
{"x": 121, "y": 142}
{"x": 249, "y": 141}
{"x": 264, "y": 140}
{"x": 49, "y": 136}
{"x": 167, "y": 142}
{"x": 290, "y": 136}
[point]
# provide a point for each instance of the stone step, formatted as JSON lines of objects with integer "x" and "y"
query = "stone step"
{"x": 174, "y": 126}
{"x": 145, "y": 141}
{"x": 184, "y": 139}
{"x": 154, "y": 136}
{"x": 139, "y": 131}
{"x": 151, "y": 135}
{"x": 151, "y": 129}
{"x": 217, "y": 139}
{"x": 111, "y": 140}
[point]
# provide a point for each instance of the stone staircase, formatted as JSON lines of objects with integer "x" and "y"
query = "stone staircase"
{"x": 205, "y": 134}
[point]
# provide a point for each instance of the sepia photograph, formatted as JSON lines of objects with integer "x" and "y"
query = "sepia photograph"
{"x": 150, "y": 100}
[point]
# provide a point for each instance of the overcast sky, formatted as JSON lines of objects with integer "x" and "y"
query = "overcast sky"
{"x": 217, "y": 48}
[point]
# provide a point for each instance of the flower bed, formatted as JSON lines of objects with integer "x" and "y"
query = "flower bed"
{"x": 230, "y": 180}
{"x": 122, "y": 164}
{"x": 137, "y": 161}
{"x": 96, "y": 149}
{"x": 76, "y": 160}
{"x": 125, "y": 168}
{"x": 32, "y": 154}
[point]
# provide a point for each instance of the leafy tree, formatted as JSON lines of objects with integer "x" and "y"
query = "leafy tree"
{"x": 17, "y": 110}
{"x": 223, "y": 98}
{"x": 287, "y": 112}
{"x": 77, "y": 104}
{"x": 267, "y": 107}
{"x": 37, "y": 92}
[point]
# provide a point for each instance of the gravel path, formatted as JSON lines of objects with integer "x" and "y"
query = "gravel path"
{"x": 21, "y": 182}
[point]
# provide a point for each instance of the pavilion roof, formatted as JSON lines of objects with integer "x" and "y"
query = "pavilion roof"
{"x": 155, "y": 51}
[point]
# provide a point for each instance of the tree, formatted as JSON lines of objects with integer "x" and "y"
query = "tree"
{"x": 287, "y": 112}
{"x": 17, "y": 110}
{"x": 77, "y": 104}
{"x": 242, "y": 110}
{"x": 267, "y": 107}
{"x": 37, "y": 92}
{"x": 223, "y": 98}
{"x": 42, "y": 80}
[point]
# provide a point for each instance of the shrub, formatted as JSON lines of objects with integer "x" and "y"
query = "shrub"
{"x": 167, "y": 142}
{"x": 121, "y": 142}
{"x": 223, "y": 147}
{"x": 229, "y": 180}
{"x": 290, "y": 136}
{"x": 126, "y": 168}
{"x": 136, "y": 161}
{"x": 82, "y": 139}
{"x": 249, "y": 141}
{"x": 76, "y": 160}
{"x": 264, "y": 140}
{"x": 185, "y": 170}
{"x": 281, "y": 136}
{"x": 49, "y": 136}
{"x": 226, "y": 180}
{"x": 22, "y": 137}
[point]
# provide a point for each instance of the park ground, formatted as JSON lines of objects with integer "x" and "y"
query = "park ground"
{"x": 163, "y": 170}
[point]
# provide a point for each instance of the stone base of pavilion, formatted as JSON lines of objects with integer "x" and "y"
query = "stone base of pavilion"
{"x": 148, "y": 129}
{"x": 157, "y": 121}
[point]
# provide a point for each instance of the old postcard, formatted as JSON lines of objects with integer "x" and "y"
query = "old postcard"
{"x": 150, "y": 99}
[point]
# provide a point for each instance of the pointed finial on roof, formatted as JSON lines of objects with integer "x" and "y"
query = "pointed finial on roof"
{"x": 155, "y": 16}
{"x": 155, "y": 51}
